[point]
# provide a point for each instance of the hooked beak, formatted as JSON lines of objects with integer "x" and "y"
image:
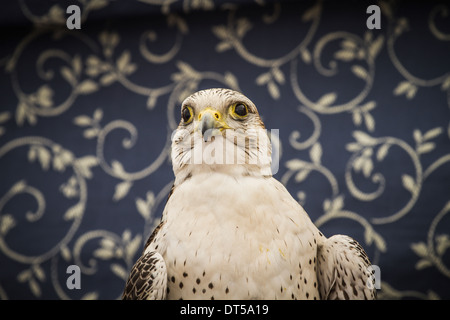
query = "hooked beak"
{"x": 211, "y": 123}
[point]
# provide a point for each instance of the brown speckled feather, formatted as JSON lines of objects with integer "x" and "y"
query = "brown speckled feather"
{"x": 148, "y": 279}
{"x": 344, "y": 270}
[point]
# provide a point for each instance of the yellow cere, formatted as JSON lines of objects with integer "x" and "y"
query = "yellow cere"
{"x": 216, "y": 114}
{"x": 221, "y": 124}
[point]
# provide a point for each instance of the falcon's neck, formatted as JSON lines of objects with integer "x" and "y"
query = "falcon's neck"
{"x": 222, "y": 156}
{"x": 233, "y": 170}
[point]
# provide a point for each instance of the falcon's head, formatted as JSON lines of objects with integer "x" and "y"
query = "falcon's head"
{"x": 220, "y": 129}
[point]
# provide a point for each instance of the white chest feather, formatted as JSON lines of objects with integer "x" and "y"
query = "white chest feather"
{"x": 227, "y": 238}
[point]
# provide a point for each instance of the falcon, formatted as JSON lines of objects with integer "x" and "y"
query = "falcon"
{"x": 229, "y": 230}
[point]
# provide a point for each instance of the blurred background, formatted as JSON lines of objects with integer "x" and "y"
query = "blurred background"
{"x": 86, "y": 117}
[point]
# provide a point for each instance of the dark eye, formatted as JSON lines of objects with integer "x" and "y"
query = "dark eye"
{"x": 241, "y": 110}
{"x": 186, "y": 114}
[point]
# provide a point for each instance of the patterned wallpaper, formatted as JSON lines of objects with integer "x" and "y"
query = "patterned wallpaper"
{"x": 86, "y": 118}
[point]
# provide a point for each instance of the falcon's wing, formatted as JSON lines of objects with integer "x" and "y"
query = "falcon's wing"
{"x": 148, "y": 278}
{"x": 344, "y": 270}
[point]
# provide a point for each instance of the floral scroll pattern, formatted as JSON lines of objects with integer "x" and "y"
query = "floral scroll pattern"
{"x": 87, "y": 116}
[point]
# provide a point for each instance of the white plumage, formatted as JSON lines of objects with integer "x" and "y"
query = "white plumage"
{"x": 229, "y": 229}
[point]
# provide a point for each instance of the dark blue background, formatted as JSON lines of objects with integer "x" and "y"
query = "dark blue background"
{"x": 390, "y": 90}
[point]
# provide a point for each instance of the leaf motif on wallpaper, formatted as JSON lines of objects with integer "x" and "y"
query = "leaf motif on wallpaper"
{"x": 111, "y": 248}
{"x": 327, "y": 99}
{"x": 73, "y": 75}
{"x": 117, "y": 168}
{"x": 85, "y": 164}
{"x": 402, "y": 25}
{"x": 69, "y": 76}
{"x": 360, "y": 72}
{"x": 65, "y": 253}
{"x": 316, "y": 153}
{"x": 446, "y": 84}
{"x": 131, "y": 245}
{"x": 375, "y": 46}
{"x": 145, "y": 207}
{"x": 421, "y": 250}
{"x": 42, "y": 154}
{"x": 296, "y": 164}
{"x": 124, "y": 65}
{"x": 151, "y": 101}
{"x": 243, "y": 25}
{"x": 82, "y": 121}
{"x": 223, "y": 34}
{"x": 95, "y": 66}
{"x": 409, "y": 183}
{"x": 231, "y": 80}
{"x": 77, "y": 64}
{"x": 364, "y": 139}
{"x": 33, "y": 276}
{"x": 303, "y": 168}
{"x": 4, "y": 117}
{"x": 96, "y": 4}
{"x": 25, "y": 112}
{"x": 42, "y": 97}
{"x": 389, "y": 293}
{"x": 74, "y": 212}
{"x": 90, "y": 296}
{"x": 70, "y": 189}
{"x": 422, "y": 140}
{"x": 185, "y": 72}
{"x": 364, "y": 163}
{"x": 109, "y": 41}
{"x": 92, "y": 124}
{"x": 333, "y": 205}
{"x": 7, "y": 222}
{"x": 365, "y": 143}
{"x": 175, "y": 20}
{"x": 370, "y": 236}
{"x": 97, "y": 116}
{"x": 302, "y": 175}
{"x": 350, "y": 50}
{"x": 86, "y": 87}
{"x": 306, "y": 56}
{"x": 61, "y": 158}
{"x": 383, "y": 151}
{"x": 270, "y": 79}
{"x": 361, "y": 113}
{"x": 361, "y": 162}
{"x": 432, "y": 253}
{"x": 55, "y": 14}
{"x": 121, "y": 189}
{"x": 406, "y": 88}
{"x": 442, "y": 244}
{"x": 273, "y": 90}
{"x": 119, "y": 271}
{"x": 312, "y": 13}
{"x": 91, "y": 133}
{"x": 108, "y": 249}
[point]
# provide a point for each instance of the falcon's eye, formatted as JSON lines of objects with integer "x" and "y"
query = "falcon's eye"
{"x": 186, "y": 114}
{"x": 240, "y": 110}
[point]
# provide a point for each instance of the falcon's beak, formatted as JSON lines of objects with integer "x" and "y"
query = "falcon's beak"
{"x": 211, "y": 122}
